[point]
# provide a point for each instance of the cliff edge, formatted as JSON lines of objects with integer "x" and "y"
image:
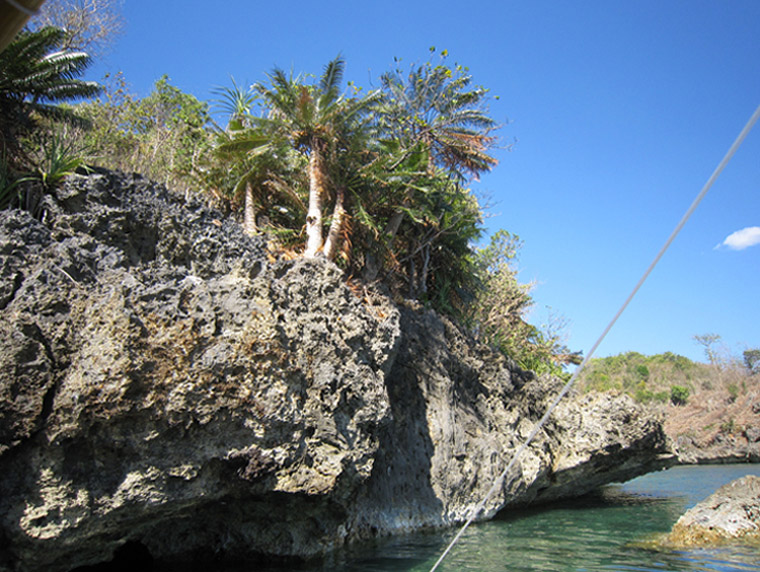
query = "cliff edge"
{"x": 167, "y": 384}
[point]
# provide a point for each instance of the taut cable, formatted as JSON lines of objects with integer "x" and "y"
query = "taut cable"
{"x": 498, "y": 482}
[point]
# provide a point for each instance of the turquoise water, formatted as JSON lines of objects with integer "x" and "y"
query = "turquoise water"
{"x": 604, "y": 532}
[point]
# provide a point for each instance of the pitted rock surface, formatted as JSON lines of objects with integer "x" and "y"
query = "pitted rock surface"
{"x": 732, "y": 513}
{"x": 166, "y": 383}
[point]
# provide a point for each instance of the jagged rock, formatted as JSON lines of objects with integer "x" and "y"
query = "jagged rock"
{"x": 168, "y": 387}
{"x": 730, "y": 513}
{"x": 720, "y": 449}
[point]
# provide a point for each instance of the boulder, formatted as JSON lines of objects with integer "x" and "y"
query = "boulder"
{"x": 730, "y": 513}
{"x": 169, "y": 388}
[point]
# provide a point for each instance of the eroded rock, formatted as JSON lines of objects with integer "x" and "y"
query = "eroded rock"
{"x": 166, "y": 384}
{"x": 731, "y": 513}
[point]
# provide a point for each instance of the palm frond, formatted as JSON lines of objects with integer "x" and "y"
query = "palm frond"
{"x": 236, "y": 102}
{"x": 332, "y": 75}
{"x": 249, "y": 141}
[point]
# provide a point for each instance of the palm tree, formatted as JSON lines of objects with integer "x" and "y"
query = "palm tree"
{"x": 319, "y": 121}
{"x": 436, "y": 107}
{"x": 239, "y": 141}
{"x": 35, "y": 76}
{"x": 249, "y": 151}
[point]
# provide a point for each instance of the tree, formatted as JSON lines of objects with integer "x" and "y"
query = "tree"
{"x": 90, "y": 25}
{"x": 162, "y": 135}
{"x": 501, "y": 301}
{"x": 171, "y": 120}
{"x": 752, "y": 360}
{"x": 319, "y": 121}
{"x": 35, "y": 77}
{"x": 497, "y": 314}
{"x": 433, "y": 113}
{"x": 436, "y": 105}
{"x": 245, "y": 146}
{"x": 436, "y": 245}
{"x": 709, "y": 343}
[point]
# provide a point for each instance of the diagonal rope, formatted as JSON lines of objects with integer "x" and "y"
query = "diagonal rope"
{"x": 500, "y": 480}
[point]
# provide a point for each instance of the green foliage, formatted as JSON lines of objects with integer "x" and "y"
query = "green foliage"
{"x": 752, "y": 360}
{"x": 646, "y": 378}
{"x": 59, "y": 158}
{"x": 596, "y": 380}
{"x": 642, "y": 371}
{"x": 679, "y": 395}
{"x": 316, "y": 119}
{"x": 644, "y": 394}
{"x": 437, "y": 105}
{"x": 35, "y": 77}
{"x": 497, "y": 313}
{"x": 677, "y": 362}
{"x": 163, "y": 136}
{"x": 237, "y": 104}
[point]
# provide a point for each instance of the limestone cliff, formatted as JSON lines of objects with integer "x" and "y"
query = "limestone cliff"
{"x": 166, "y": 383}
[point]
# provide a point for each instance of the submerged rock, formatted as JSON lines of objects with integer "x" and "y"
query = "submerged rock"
{"x": 168, "y": 388}
{"x": 730, "y": 513}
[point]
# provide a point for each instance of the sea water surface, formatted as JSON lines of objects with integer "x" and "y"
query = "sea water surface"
{"x": 607, "y": 531}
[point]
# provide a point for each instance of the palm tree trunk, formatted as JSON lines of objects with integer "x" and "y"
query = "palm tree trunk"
{"x": 372, "y": 269}
{"x": 249, "y": 213}
{"x": 339, "y": 213}
{"x": 425, "y": 268}
{"x": 393, "y": 225}
{"x": 314, "y": 214}
{"x": 412, "y": 279}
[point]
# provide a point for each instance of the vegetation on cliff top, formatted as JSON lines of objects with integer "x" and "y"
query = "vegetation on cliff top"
{"x": 377, "y": 181}
{"x": 714, "y": 405}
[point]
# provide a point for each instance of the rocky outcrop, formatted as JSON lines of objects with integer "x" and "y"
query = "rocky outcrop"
{"x": 717, "y": 446}
{"x": 168, "y": 386}
{"x": 732, "y": 513}
{"x": 721, "y": 421}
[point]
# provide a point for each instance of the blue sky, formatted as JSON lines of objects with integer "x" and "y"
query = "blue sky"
{"x": 619, "y": 112}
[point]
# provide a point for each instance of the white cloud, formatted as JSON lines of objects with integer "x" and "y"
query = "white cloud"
{"x": 743, "y": 238}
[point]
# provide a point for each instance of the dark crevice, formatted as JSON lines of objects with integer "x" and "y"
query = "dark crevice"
{"x": 131, "y": 556}
{"x": 18, "y": 280}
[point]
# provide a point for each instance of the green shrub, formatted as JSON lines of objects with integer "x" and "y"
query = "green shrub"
{"x": 679, "y": 395}
{"x": 643, "y": 395}
{"x": 59, "y": 158}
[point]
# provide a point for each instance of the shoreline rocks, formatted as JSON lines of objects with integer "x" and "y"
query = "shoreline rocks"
{"x": 720, "y": 451}
{"x": 166, "y": 385}
{"x": 732, "y": 513}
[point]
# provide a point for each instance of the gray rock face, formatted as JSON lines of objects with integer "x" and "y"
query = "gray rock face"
{"x": 165, "y": 382}
{"x": 730, "y": 513}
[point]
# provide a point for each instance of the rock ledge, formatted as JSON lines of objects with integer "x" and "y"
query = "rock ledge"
{"x": 168, "y": 387}
{"x": 731, "y": 513}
